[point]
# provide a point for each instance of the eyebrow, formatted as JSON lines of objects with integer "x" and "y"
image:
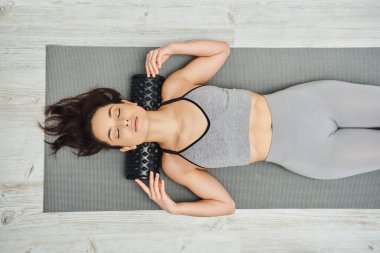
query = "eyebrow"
{"x": 109, "y": 131}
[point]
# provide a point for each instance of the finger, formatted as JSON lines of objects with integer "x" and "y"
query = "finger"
{"x": 157, "y": 191}
{"x": 143, "y": 186}
{"x": 149, "y": 63}
{"x": 151, "y": 186}
{"x": 154, "y": 61}
{"x": 162, "y": 188}
{"x": 159, "y": 59}
{"x": 146, "y": 65}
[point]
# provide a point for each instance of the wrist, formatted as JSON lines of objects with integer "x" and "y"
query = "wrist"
{"x": 173, "y": 210}
{"x": 173, "y": 46}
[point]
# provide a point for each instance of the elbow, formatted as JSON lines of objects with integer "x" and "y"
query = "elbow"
{"x": 232, "y": 208}
{"x": 227, "y": 47}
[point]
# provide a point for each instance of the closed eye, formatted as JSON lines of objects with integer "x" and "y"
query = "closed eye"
{"x": 118, "y": 131}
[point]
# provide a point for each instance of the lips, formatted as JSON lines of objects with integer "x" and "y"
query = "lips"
{"x": 136, "y": 124}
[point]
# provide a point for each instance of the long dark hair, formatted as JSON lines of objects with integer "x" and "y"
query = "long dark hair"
{"x": 71, "y": 120}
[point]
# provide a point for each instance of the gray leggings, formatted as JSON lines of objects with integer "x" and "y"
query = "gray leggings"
{"x": 325, "y": 129}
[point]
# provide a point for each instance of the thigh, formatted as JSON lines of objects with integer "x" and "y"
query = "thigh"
{"x": 348, "y": 104}
{"x": 347, "y": 152}
{"x": 312, "y": 122}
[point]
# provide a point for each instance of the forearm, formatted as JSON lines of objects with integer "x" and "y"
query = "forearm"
{"x": 203, "y": 208}
{"x": 199, "y": 47}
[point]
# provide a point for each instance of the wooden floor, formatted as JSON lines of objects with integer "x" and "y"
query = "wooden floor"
{"x": 26, "y": 26}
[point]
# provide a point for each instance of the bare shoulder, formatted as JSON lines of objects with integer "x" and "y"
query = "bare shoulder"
{"x": 176, "y": 86}
{"x": 175, "y": 166}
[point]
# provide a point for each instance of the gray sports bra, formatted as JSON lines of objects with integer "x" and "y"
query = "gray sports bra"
{"x": 225, "y": 142}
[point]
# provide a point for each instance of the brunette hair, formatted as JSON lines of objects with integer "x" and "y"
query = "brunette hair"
{"x": 71, "y": 119}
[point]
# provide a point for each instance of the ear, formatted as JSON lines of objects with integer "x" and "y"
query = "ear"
{"x": 125, "y": 149}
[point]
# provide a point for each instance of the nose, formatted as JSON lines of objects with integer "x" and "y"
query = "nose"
{"x": 125, "y": 123}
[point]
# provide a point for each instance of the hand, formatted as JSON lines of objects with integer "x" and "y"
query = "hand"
{"x": 157, "y": 193}
{"x": 155, "y": 58}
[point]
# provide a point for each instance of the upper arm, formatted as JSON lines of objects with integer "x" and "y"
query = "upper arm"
{"x": 201, "y": 69}
{"x": 200, "y": 182}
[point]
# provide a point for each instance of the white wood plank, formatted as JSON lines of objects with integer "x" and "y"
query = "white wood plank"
{"x": 318, "y": 230}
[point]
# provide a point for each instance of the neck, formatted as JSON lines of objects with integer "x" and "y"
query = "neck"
{"x": 163, "y": 126}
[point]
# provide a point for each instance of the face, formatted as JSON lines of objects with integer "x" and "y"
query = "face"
{"x": 115, "y": 124}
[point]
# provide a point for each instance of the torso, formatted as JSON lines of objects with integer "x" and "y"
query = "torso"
{"x": 260, "y": 131}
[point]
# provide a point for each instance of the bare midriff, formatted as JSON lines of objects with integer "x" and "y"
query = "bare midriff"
{"x": 260, "y": 128}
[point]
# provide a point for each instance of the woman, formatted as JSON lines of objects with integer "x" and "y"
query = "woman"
{"x": 200, "y": 126}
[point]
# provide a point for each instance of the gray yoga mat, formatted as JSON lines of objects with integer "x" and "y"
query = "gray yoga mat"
{"x": 97, "y": 183}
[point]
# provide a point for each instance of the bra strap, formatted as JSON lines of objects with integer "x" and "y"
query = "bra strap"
{"x": 171, "y": 101}
{"x": 181, "y": 97}
{"x": 169, "y": 151}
